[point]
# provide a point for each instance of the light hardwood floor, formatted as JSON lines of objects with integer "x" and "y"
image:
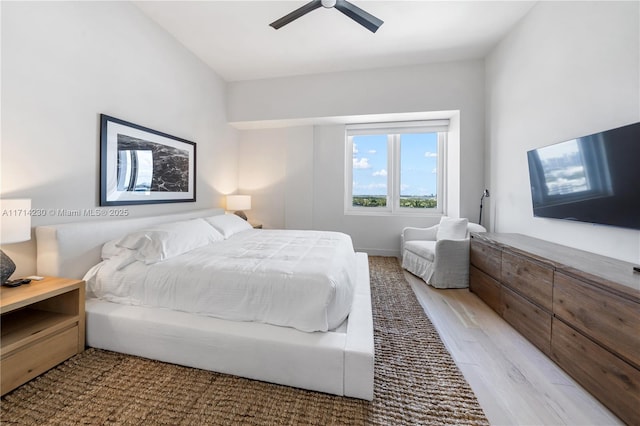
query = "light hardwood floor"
{"x": 516, "y": 384}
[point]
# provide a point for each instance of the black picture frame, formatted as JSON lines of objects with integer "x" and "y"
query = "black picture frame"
{"x": 139, "y": 165}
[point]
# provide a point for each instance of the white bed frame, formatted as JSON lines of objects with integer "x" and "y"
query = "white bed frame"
{"x": 338, "y": 362}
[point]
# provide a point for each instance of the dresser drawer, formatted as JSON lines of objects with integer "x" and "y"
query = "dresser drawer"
{"x": 531, "y": 279}
{"x": 530, "y": 320}
{"x": 486, "y": 288}
{"x": 607, "y": 318}
{"x": 33, "y": 360}
{"x": 486, "y": 258}
{"x": 613, "y": 381}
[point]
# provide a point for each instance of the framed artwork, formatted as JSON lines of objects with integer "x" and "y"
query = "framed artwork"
{"x": 143, "y": 166}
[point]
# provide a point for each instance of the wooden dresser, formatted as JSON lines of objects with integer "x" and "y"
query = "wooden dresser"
{"x": 579, "y": 308}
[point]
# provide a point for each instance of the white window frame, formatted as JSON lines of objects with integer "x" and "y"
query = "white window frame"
{"x": 393, "y": 132}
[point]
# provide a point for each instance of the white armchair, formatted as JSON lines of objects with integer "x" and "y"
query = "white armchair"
{"x": 439, "y": 254}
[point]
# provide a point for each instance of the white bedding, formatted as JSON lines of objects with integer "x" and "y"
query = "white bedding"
{"x": 300, "y": 279}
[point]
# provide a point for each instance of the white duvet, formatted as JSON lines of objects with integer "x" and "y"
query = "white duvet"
{"x": 300, "y": 279}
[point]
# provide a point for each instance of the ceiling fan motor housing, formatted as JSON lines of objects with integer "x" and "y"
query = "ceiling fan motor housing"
{"x": 328, "y": 3}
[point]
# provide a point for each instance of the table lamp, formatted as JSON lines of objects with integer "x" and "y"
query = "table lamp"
{"x": 15, "y": 221}
{"x": 238, "y": 203}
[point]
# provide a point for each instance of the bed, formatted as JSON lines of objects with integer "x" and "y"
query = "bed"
{"x": 330, "y": 354}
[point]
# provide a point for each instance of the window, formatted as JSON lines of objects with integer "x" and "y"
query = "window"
{"x": 395, "y": 168}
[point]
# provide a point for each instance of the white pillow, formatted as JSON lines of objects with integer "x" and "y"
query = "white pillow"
{"x": 228, "y": 224}
{"x": 111, "y": 249}
{"x": 168, "y": 240}
{"x": 121, "y": 256}
{"x": 452, "y": 229}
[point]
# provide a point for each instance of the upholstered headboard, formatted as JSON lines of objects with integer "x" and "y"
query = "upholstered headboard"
{"x": 69, "y": 250}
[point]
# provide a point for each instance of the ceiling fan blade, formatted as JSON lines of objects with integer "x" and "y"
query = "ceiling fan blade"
{"x": 363, "y": 18}
{"x": 296, "y": 14}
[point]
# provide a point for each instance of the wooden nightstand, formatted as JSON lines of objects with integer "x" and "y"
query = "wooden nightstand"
{"x": 42, "y": 325}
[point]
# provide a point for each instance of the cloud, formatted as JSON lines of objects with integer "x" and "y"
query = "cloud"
{"x": 382, "y": 172}
{"x": 372, "y": 151}
{"x": 435, "y": 170}
{"x": 361, "y": 163}
{"x": 355, "y": 149}
{"x": 430, "y": 154}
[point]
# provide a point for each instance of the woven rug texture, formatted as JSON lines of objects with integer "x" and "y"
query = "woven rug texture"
{"x": 416, "y": 383}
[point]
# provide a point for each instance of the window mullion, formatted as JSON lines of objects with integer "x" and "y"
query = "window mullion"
{"x": 390, "y": 173}
{"x": 395, "y": 159}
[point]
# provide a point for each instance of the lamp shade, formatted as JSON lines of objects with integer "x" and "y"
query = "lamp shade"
{"x": 15, "y": 221}
{"x": 238, "y": 202}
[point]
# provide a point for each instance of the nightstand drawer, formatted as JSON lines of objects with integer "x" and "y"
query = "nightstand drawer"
{"x": 37, "y": 358}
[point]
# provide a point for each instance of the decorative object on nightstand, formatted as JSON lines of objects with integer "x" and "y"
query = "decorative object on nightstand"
{"x": 43, "y": 324}
{"x": 256, "y": 225}
{"x": 15, "y": 228}
{"x": 238, "y": 203}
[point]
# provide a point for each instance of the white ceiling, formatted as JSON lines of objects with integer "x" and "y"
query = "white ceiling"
{"x": 234, "y": 37}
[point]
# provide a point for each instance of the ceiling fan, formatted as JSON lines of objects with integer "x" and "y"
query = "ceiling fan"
{"x": 363, "y": 18}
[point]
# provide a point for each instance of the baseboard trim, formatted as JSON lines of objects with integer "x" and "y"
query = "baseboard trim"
{"x": 379, "y": 252}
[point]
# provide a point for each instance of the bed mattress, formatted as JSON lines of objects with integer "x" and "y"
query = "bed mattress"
{"x": 299, "y": 279}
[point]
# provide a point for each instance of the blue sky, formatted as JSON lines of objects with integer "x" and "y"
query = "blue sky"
{"x": 418, "y": 164}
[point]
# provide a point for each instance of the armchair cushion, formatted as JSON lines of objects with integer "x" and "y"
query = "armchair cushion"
{"x": 452, "y": 229}
{"x": 424, "y": 249}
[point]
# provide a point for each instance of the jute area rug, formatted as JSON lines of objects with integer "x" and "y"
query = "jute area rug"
{"x": 416, "y": 383}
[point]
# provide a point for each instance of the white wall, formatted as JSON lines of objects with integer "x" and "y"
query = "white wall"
{"x": 276, "y": 169}
{"x": 352, "y": 97}
{"x": 568, "y": 69}
{"x": 64, "y": 63}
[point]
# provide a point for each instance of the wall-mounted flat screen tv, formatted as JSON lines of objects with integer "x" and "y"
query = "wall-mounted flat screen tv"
{"x": 594, "y": 178}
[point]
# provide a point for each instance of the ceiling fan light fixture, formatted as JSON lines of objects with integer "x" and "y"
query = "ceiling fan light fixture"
{"x": 328, "y": 3}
